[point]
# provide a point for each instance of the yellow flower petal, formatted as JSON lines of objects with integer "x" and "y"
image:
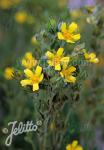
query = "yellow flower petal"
{"x": 60, "y": 52}
{"x": 79, "y": 148}
{"x": 68, "y": 147}
{"x": 28, "y": 55}
{"x": 25, "y": 82}
{"x": 73, "y": 27}
{"x": 96, "y": 60}
{"x": 38, "y": 70}
{"x": 71, "y": 79}
{"x": 92, "y": 55}
{"x": 61, "y": 74}
{"x": 74, "y": 146}
{"x": 63, "y": 27}
{"x": 9, "y": 73}
{"x": 71, "y": 69}
{"x": 41, "y": 77}
{"x": 49, "y": 55}
{"x": 60, "y": 36}
{"x": 24, "y": 63}
{"x": 50, "y": 63}
{"x": 35, "y": 87}
{"x": 86, "y": 55}
{"x": 57, "y": 67}
{"x": 74, "y": 143}
{"x": 65, "y": 60}
{"x": 70, "y": 41}
{"x": 76, "y": 37}
{"x": 28, "y": 73}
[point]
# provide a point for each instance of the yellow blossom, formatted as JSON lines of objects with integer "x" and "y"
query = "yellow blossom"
{"x": 57, "y": 59}
{"x": 33, "y": 78}
{"x": 74, "y": 146}
{"x": 6, "y": 4}
{"x": 67, "y": 72}
{"x": 9, "y": 73}
{"x": 29, "y": 61}
{"x": 68, "y": 33}
{"x": 21, "y": 17}
{"x": 91, "y": 57}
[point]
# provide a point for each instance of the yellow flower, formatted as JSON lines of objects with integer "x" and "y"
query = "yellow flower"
{"x": 9, "y": 73}
{"x": 33, "y": 78}
{"x": 57, "y": 59}
{"x": 29, "y": 61}
{"x": 91, "y": 57}
{"x": 66, "y": 73}
{"x": 21, "y": 17}
{"x": 74, "y": 146}
{"x": 5, "y": 4}
{"x": 69, "y": 33}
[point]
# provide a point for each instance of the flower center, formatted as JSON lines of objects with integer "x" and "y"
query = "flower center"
{"x": 66, "y": 73}
{"x": 57, "y": 60}
{"x": 35, "y": 79}
{"x": 67, "y": 35}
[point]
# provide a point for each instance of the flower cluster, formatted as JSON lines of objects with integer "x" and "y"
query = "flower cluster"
{"x": 57, "y": 60}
